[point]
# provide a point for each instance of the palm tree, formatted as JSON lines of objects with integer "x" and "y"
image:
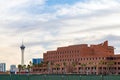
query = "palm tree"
{"x": 52, "y": 64}
{"x": 64, "y": 64}
{"x": 91, "y": 64}
{"x": 74, "y": 65}
{"x": 24, "y": 67}
{"x": 31, "y": 64}
{"x": 20, "y": 67}
{"x": 101, "y": 63}
{"x": 83, "y": 67}
{"x": 48, "y": 66}
{"x": 57, "y": 66}
{"x": 109, "y": 65}
{"x": 94, "y": 68}
{"x": 28, "y": 67}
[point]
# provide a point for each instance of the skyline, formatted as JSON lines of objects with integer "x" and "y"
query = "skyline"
{"x": 44, "y": 25}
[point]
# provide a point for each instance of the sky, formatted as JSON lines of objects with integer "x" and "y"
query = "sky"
{"x": 44, "y": 25}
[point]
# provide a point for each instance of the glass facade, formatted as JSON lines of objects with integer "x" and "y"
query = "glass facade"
{"x": 37, "y": 60}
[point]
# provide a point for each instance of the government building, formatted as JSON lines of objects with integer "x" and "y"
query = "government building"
{"x": 80, "y": 59}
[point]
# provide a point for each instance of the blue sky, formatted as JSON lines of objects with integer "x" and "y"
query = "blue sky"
{"x": 59, "y": 2}
{"x": 47, "y": 24}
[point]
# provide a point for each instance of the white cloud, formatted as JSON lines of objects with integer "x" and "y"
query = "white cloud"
{"x": 88, "y": 7}
{"x": 82, "y": 22}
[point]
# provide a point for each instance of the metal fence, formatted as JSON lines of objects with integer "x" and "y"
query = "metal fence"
{"x": 60, "y": 77}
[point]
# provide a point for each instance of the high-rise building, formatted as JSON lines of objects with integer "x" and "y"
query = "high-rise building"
{"x": 37, "y": 60}
{"x": 2, "y": 67}
{"x": 22, "y": 47}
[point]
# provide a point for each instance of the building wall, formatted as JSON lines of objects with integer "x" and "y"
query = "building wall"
{"x": 83, "y": 59}
{"x": 74, "y": 52}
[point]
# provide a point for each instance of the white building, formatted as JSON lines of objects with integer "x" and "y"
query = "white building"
{"x": 2, "y": 67}
{"x": 13, "y": 68}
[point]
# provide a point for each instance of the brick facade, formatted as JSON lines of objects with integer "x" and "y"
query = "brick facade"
{"x": 82, "y": 59}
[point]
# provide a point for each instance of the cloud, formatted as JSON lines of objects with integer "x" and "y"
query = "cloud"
{"x": 45, "y": 27}
{"x": 97, "y": 29}
{"x": 88, "y": 7}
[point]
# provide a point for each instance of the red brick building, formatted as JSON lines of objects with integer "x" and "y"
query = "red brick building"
{"x": 81, "y": 59}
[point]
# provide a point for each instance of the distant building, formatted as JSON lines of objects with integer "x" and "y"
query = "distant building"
{"x": 13, "y": 69}
{"x": 2, "y": 67}
{"x": 37, "y": 60}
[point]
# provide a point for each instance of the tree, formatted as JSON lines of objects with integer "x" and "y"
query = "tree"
{"x": 101, "y": 63}
{"x": 24, "y": 67}
{"x": 64, "y": 64}
{"x": 20, "y": 67}
{"x": 48, "y": 66}
{"x": 28, "y": 67}
{"x": 91, "y": 64}
{"x": 74, "y": 65}
{"x": 94, "y": 68}
{"x": 52, "y": 64}
{"x": 57, "y": 66}
{"x": 109, "y": 66}
{"x": 31, "y": 64}
{"x": 83, "y": 67}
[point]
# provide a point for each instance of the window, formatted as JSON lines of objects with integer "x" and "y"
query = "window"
{"x": 118, "y": 62}
{"x": 118, "y": 68}
{"x": 87, "y": 58}
{"x": 99, "y": 57}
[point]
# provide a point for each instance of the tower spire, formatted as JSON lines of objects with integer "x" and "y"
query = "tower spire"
{"x": 22, "y": 47}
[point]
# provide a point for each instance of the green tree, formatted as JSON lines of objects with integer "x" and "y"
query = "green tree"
{"x": 28, "y": 67}
{"x": 52, "y": 66}
{"x": 109, "y": 66}
{"x": 57, "y": 66}
{"x": 91, "y": 64}
{"x": 48, "y": 66}
{"x": 74, "y": 65}
{"x": 31, "y": 64}
{"x": 100, "y": 64}
{"x": 64, "y": 64}
{"x": 20, "y": 67}
{"x": 24, "y": 67}
{"x": 83, "y": 67}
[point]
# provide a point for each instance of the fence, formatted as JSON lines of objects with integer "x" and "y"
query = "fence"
{"x": 59, "y": 77}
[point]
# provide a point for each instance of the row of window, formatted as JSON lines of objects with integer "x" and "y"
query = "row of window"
{"x": 86, "y": 68}
{"x": 80, "y": 59}
{"x": 73, "y": 51}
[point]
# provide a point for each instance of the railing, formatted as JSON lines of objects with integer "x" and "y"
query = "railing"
{"x": 59, "y": 77}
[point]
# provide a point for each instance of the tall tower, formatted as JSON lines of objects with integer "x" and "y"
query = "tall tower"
{"x": 22, "y": 47}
